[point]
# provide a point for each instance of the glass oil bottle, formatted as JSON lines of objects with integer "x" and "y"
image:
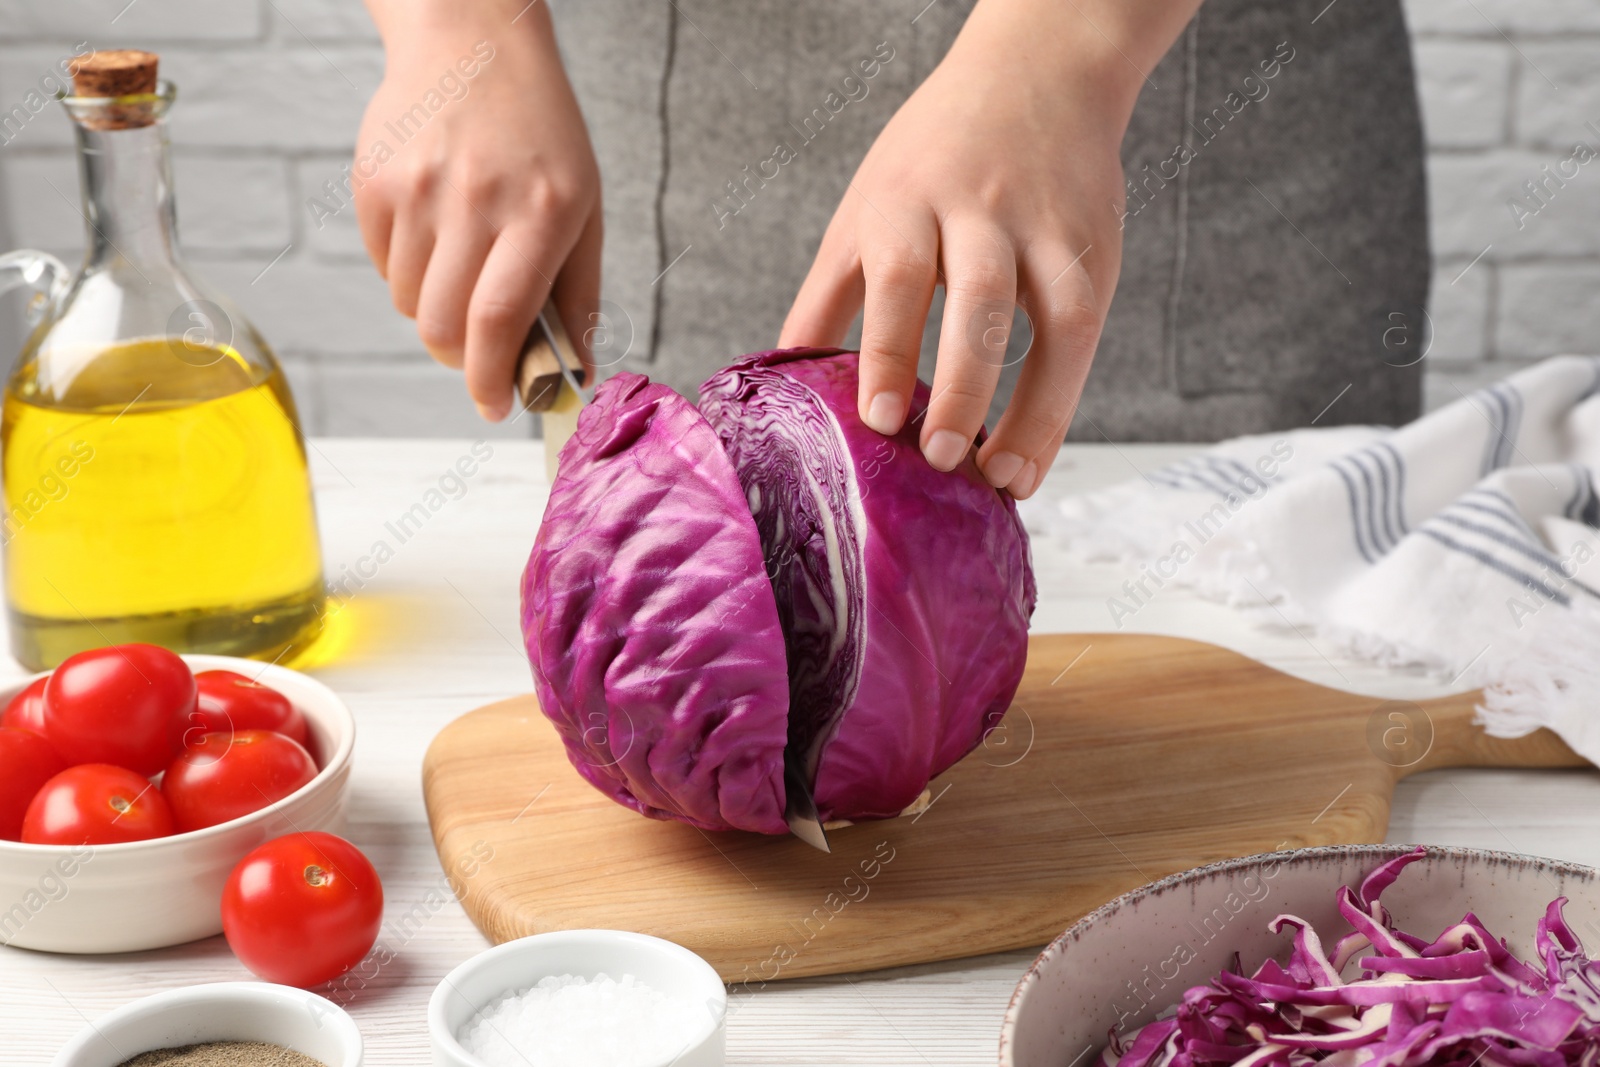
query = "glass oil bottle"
{"x": 155, "y": 477}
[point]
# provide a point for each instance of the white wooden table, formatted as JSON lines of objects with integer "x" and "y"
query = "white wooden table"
{"x": 433, "y": 633}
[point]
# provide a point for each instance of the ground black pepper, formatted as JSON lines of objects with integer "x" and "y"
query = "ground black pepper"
{"x": 223, "y": 1054}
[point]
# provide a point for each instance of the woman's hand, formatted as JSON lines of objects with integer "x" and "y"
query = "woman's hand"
{"x": 999, "y": 179}
{"x": 484, "y": 197}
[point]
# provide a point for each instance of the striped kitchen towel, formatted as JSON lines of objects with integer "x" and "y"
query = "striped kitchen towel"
{"x": 1465, "y": 542}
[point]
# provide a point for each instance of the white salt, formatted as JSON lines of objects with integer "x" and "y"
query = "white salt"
{"x": 570, "y": 1021}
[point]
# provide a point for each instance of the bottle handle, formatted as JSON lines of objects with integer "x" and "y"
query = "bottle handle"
{"x": 40, "y": 271}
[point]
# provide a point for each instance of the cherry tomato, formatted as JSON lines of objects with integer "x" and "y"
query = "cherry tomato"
{"x": 26, "y": 710}
{"x": 96, "y": 804}
{"x": 302, "y": 909}
{"x": 117, "y": 705}
{"x": 227, "y": 701}
{"x": 225, "y": 775}
{"x": 27, "y": 762}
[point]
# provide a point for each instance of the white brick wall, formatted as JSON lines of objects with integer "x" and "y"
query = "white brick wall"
{"x": 270, "y": 92}
{"x": 1507, "y": 88}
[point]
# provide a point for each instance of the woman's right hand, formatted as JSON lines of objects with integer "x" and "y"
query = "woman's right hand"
{"x": 477, "y": 190}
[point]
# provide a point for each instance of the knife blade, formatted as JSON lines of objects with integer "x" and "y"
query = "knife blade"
{"x": 571, "y": 365}
{"x": 800, "y": 810}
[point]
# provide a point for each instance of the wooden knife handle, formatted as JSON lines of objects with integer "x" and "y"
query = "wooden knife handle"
{"x": 539, "y": 379}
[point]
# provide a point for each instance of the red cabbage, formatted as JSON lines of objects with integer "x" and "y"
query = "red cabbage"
{"x": 709, "y": 588}
{"x": 1461, "y": 1000}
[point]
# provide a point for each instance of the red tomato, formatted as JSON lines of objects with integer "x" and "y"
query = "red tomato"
{"x": 96, "y": 804}
{"x": 223, "y": 776}
{"x": 117, "y": 705}
{"x": 26, "y": 710}
{"x": 27, "y": 761}
{"x": 302, "y": 909}
{"x": 227, "y": 701}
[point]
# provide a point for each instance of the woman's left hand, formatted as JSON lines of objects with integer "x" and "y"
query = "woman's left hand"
{"x": 999, "y": 179}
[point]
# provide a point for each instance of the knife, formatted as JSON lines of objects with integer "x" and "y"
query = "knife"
{"x": 547, "y": 382}
{"x": 546, "y": 362}
{"x": 800, "y": 809}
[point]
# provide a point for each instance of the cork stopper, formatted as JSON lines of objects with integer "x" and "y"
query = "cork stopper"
{"x": 119, "y": 72}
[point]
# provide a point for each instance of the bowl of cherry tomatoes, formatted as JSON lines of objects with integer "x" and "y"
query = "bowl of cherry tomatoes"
{"x": 133, "y": 781}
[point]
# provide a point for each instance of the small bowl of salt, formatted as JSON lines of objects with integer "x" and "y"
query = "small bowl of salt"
{"x": 595, "y": 998}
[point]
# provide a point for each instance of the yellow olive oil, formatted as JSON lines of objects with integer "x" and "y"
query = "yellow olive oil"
{"x": 156, "y": 491}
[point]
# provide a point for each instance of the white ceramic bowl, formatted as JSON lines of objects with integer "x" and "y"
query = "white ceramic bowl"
{"x": 224, "y": 1011}
{"x": 519, "y": 964}
{"x": 150, "y": 894}
{"x": 1119, "y": 967}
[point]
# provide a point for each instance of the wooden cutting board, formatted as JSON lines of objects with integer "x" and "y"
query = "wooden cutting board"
{"x": 1124, "y": 758}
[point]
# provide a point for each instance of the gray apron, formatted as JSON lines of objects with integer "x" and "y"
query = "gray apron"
{"x": 1275, "y": 251}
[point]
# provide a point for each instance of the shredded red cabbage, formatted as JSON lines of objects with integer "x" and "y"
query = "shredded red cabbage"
{"x": 1461, "y": 1000}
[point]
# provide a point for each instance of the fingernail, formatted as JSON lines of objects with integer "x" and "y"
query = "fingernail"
{"x": 1001, "y": 468}
{"x": 945, "y": 448}
{"x": 492, "y": 413}
{"x": 885, "y": 413}
{"x": 1026, "y": 481}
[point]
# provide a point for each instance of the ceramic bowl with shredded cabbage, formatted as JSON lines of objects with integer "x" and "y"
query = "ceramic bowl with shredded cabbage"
{"x": 1381, "y": 955}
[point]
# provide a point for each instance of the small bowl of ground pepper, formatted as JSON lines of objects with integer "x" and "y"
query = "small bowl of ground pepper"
{"x": 225, "y": 1024}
